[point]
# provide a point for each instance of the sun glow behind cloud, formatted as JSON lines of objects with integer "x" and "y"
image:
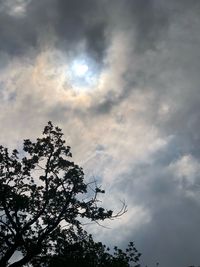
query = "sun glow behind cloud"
{"x": 68, "y": 78}
{"x": 82, "y": 73}
{"x": 80, "y": 69}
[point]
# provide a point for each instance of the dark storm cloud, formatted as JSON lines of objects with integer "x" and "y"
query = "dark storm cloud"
{"x": 76, "y": 21}
{"x": 83, "y": 20}
{"x": 71, "y": 21}
{"x": 16, "y": 34}
{"x": 150, "y": 21}
{"x": 96, "y": 42}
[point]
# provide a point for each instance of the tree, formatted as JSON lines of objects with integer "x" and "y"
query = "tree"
{"x": 42, "y": 196}
{"x": 82, "y": 251}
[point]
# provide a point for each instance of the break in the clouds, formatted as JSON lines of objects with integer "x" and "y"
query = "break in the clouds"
{"x": 121, "y": 78}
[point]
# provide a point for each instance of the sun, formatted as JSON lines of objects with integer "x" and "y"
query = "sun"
{"x": 82, "y": 73}
{"x": 80, "y": 69}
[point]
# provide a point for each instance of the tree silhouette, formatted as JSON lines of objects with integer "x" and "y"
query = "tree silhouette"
{"x": 81, "y": 250}
{"x": 43, "y": 196}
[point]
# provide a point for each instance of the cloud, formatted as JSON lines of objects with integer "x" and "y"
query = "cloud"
{"x": 136, "y": 129}
{"x": 15, "y": 8}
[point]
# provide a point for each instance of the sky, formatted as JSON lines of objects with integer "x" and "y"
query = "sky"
{"x": 121, "y": 78}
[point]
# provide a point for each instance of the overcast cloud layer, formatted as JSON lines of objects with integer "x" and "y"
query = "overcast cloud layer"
{"x": 135, "y": 127}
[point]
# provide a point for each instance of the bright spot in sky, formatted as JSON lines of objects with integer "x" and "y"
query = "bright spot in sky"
{"x": 83, "y": 73}
{"x": 80, "y": 69}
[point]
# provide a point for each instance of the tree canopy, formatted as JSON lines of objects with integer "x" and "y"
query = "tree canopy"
{"x": 43, "y": 196}
{"x": 43, "y": 201}
{"x": 81, "y": 250}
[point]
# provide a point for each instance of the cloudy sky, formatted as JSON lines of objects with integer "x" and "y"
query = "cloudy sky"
{"x": 121, "y": 78}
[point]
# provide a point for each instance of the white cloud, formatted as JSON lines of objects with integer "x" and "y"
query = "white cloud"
{"x": 186, "y": 168}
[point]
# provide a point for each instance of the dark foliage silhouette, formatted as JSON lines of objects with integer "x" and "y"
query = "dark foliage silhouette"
{"x": 43, "y": 197}
{"x": 81, "y": 250}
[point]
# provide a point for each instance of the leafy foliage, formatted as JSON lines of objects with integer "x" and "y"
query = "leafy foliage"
{"x": 40, "y": 193}
{"x": 82, "y": 251}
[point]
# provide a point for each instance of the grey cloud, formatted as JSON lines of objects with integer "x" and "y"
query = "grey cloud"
{"x": 75, "y": 21}
{"x": 15, "y": 36}
{"x": 96, "y": 41}
{"x": 171, "y": 236}
{"x": 161, "y": 65}
{"x": 71, "y": 22}
{"x": 109, "y": 102}
{"x": 151, "y": 23}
